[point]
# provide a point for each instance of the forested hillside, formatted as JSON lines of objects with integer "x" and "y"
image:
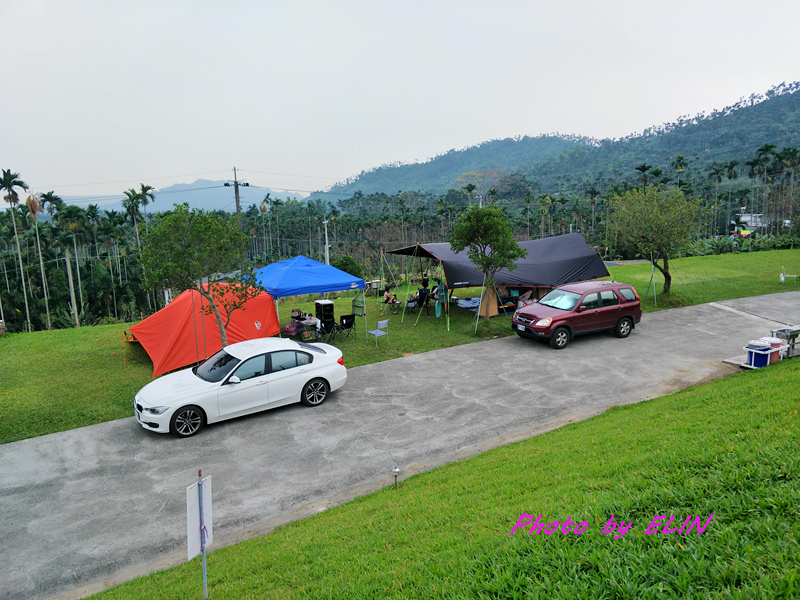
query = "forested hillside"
{"x": 570, "y": 164}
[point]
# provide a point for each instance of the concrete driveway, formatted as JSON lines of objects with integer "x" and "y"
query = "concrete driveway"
{"x": 94, "y": 506}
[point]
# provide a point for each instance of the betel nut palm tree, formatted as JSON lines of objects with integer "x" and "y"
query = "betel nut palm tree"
{"x": 146, "y": 196}
{"x": 34, "y": 208}
{"x": 131, "y": 204}
{"x": 8, "y": 182}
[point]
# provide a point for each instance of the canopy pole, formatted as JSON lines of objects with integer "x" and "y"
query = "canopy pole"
{"x": 278, "y": 314}
{"x": 203, "y": 321}
{"x": 194, "y": 321}
{"x": 478, "y": 312}
{"x": 447, "y": 306}
{"x": 408, "y": 282}
{"x": 364, "y": 298}
{"x": 377, "y": 294}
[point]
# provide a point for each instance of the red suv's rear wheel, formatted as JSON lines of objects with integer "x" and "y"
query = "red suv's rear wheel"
{"x": 623, "y": 328}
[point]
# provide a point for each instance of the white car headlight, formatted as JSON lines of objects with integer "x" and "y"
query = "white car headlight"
{"x": 156, "y": 410}
{"x": 544, "y": 322}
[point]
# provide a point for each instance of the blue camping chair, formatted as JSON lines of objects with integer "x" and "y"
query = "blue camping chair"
{"x": 382, "y": 328}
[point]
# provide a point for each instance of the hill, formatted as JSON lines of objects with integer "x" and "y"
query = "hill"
{"x": 203, "y": 193}
{"x": 559, "y": 163}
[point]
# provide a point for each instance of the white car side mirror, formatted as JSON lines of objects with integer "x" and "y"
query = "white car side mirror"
{"x": 234, "y": 379}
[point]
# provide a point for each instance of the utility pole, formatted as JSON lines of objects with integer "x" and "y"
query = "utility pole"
{"x": 236, "y": 185}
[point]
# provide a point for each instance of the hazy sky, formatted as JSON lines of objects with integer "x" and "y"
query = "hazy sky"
{"x": 101, "y": 96}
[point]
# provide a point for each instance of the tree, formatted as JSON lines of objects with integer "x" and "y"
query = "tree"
{"x": 34, "y": 208}
{"x": 131, "y": 205}
{"x": 349, "y": 265}
{"x": 678, "y": 165}
{"x": 146, "y": 196}
{"x": 486, "y": 233}
{"x": 8, "y": 182}
{"x": 654, "y": 222}
{"x": 186, "y": 246}
{"x": 643, "y": 169}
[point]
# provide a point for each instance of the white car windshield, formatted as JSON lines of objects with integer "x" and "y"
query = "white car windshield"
{"x": 561, "y": 299}
{"x": 216, "y": 367}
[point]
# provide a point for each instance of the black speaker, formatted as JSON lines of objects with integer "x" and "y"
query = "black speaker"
{"x": 324, "y": 310}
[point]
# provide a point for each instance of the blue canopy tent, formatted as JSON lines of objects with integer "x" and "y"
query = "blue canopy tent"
{"x": 300, "y": 275}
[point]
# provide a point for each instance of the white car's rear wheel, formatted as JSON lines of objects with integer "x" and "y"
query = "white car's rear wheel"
{"x": 315, "y": 392}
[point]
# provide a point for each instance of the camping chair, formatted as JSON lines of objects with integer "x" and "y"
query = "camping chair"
{"x": 424, "y": 299}
{"x": 386, "y": 304}
{"x": 327, "y": 331}
{"x": 382, "y": 328}
{"x": 346, "y": 326}
{"x": 411, "y": 304}
{"x": 784, "y": 276}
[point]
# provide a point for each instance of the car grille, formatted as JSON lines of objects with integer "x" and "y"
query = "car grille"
{"x": 138, "y": 407}
{"x": 526, "y": 320}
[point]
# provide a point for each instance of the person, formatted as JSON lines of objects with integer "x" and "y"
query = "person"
{"x": 437, "y": 290}
{"x": 420, "y": 293}
{"x": 390, "y": 298}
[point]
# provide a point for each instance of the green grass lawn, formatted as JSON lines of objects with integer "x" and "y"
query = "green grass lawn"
{"x": 729, "y": 448}
{"x": 58, "y": 380}
{"x": 713, "y": 278}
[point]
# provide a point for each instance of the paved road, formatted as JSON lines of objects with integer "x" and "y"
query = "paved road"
{"x": 106, "y": 503}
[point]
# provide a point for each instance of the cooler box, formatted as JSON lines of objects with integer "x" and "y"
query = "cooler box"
{"x": 775, "y": 345}
{"x": 758, "y": 353}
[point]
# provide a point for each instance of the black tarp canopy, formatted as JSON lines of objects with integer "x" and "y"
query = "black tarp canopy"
{"x": 550, "y": 262}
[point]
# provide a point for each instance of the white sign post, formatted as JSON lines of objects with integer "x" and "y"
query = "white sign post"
{"x": 199, "y": 524}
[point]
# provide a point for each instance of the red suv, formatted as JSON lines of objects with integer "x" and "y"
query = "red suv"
{"x": 579, "y": 308}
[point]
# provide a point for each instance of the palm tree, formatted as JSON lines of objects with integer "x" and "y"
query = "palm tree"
{"x": 528, "y": 201}
{"x": 679, "y": 164}
{"x": 470, "y": 189}
{"x": 593, "y": 193}
{"x": 8, "y": 182}
{"x": 790, "y": 158}
{"x": 131, "y": 205}
{"x": 92, "y": 221}
{"x": 264, "y": 208}
{"x": 643, "y": 169}
{"x": 730, "y": 170}
{"x": 717, "y": 172}
{"x": 53, "y": 203}
{"x": 276, "y": 207}
{"x": 34, "y": 208}
{"x": 74, "y": 217}
{"x": 146, "y": 196}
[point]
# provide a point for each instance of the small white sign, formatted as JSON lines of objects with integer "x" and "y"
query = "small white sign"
{"x": 193, "y": 517}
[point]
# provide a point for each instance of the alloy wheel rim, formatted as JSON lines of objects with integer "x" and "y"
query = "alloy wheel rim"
{"x": 316, "y": 393}
{"x": 188, "y": 422}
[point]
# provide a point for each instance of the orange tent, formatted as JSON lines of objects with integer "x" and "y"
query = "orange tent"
{"x": 180, "y": 334}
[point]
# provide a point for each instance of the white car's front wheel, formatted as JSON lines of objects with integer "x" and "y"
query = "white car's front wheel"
{"x": 186, "y": 421}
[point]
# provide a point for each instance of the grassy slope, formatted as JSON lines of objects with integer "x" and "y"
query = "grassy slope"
{"x": 729, "y": 448}
{"x": 59, "y": 380}
{"x": 713, "y": 278}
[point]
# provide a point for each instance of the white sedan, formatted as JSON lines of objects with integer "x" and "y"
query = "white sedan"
{"x": 239, "y": 380}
